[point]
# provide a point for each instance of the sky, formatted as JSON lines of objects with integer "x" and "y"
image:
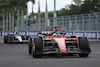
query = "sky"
{"x": 59, "y": 4}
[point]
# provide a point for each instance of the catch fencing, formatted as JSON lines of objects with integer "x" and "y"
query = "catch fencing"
{"x": 80, "y": 22}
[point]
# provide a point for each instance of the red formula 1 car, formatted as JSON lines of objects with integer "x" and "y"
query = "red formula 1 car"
{"x": 58, "y": 43}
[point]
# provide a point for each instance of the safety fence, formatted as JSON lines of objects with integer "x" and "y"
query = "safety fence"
{"x": 79, "y": 22}
{"x": 90, "y": 35}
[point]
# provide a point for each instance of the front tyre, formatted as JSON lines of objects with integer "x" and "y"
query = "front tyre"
{"x": 30, "y": 46}
{"x": 84, "y": 47}
{"x": 5, "y": 39}
{"x": 37, "y": 52}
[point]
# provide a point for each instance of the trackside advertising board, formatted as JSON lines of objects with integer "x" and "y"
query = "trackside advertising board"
{"x": 90, "y": 35}
{"x": 78, "y": 34}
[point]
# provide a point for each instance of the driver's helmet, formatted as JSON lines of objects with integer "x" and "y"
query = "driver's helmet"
{"x": 16, "y": 32}
{"x": 54, "y": 34}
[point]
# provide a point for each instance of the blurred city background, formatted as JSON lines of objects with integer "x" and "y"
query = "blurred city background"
{"x": 77, "y": 16}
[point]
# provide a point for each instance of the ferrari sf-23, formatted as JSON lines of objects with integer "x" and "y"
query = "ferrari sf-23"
{"x": 57, "y": 43}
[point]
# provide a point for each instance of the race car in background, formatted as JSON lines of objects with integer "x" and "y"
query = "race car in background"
{"x": 15, "y": 38}
{"x": 56, "y": 42}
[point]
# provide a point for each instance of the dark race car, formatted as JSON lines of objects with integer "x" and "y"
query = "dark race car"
{"x": 15, "y": 38}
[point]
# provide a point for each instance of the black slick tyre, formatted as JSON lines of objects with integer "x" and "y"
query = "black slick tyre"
{"x": 37, "y": 53}
{"x": 30, "y": 46}
{"x": 5, "y": 39}
{"x": 84, "y": 46}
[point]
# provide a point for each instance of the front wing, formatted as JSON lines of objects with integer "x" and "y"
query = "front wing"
{"x": 17, "y": 41}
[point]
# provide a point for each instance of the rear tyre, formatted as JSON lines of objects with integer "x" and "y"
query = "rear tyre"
{"x": 5, "y": 39}
{"x": 30, "y": 46}
{"x": 37, "y": 53}
{"x": 84, "y": 47}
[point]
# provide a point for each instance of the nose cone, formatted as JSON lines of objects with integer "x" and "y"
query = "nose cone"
{"x": 19, "y": 38}
{"x": 61, "y": 44}
{"x": 63, "y": 50}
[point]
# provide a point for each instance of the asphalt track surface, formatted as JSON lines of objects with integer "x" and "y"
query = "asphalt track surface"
{"x": 16, "y": 55}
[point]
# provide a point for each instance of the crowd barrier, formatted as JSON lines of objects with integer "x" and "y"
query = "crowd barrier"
{"x": 90, "y": 35}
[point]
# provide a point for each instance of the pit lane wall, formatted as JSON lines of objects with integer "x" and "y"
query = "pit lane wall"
{"x": 89, "y": 35}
